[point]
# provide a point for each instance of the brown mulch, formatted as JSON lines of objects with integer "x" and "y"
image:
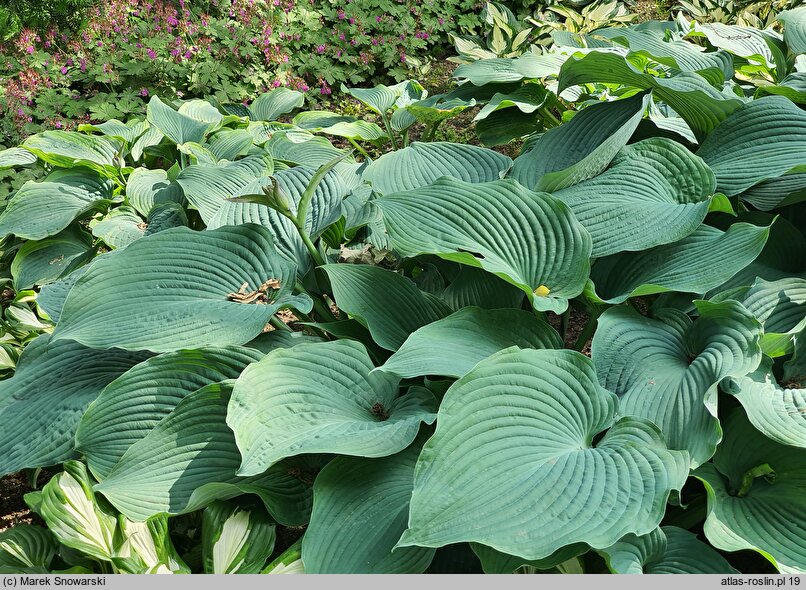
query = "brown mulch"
{"x": 13, "y": 510}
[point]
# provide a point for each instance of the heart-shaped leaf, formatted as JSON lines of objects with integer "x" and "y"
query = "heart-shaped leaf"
{"x": 548, "y": 258}
{"x": 322, "y": 398}
{"x": 181, "y": 289}
{"x": 666, "y": 370}
{"x": 513, "y": 462}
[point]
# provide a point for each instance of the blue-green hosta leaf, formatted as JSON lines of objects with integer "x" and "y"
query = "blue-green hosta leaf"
{"x": 666, "y": 550}
{"x": 452, "y": 346}
{"x": 755, "y": 496}
{"x": 42, "y": 403}
{"x": 666, "y": 370}
{"x": 547, "y": 258}
{"x": 134, "y": 403}
{"x": 504, "y": 125}
{"x": 475, "y": 287}
{"x": 381, "y": 98}
{"x": 207, "y": 187}
{"x": 334, "y": 124}
{"x": 527, "y": 99}
{"x": 42, "y": 209}
{"x": 71, "y": 513}
{"x": 203, "y": 111}
{"x": 773, "y": 193}
{"x": 439, "y": 107}
{"x": 146, "y": 188}
{"x": 301, "y": 148}
{"x": 360, "y": 509}
{"x": 348, "y": 409}
{"x": 16, "y": 157}
{"x": 780, "y": 306}
{"x": 235, "y": 540}
{"x": 44, "y": 261}
{"x": 165, "y": 216}
{"x": 190, "y": 459}
{"x": 175, "y": 125}
{"x": 485, "y": 71}
{"x": 51, "y": 296}
{"x": 654, "y": 193}
{"x": 68, "y": 149}
{"x": 114, "y": 128}
{"x": 150, "y": 138}
{"x": 745, "y": 42}
{"x": 778, "y": 412}
{"x": 583, "y": 147}
{"x": 119, "y": 228}
{"x": 677, "y": 54}
{"x": 420, "y": 164}
{"x": 512, "y": 461}
{"x": 696, "y": 264}
{"x": 229, "y": 144}
{"x": 795, "y": 367}
{"x": 792, "y": 87}
{"x": 181, "y": 289}
{"x": 323, "y": 210}
{"x": 26, "y": 546}
{"x": 388, "y": 304}
{"x": 794, "y": 29}
{"x": 495, "y": 562}
{"x": 271, "y": 105}
{"x": 764, "y": 139}
{"x": 701, "y": 105}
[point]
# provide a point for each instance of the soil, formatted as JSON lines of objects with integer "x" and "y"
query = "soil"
{"x": 13, "y": 510}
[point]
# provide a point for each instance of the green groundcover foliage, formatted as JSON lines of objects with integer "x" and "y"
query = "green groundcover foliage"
{"x": 247, "y": 346}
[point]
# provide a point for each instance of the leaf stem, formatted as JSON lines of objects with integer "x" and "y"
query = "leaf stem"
{"x": 587, "y": 331}
{"x": 547, "y": 115}
{"x": 391, "y": 135}
{"x": 431, "y": 132}
{"x": 361, "y": 150}
{"x": 278, "y": 324}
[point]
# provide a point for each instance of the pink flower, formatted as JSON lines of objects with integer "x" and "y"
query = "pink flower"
{"x": 320, "y": 49}
{"x": 29, "y": 49}
{"x": 144, "y": 92}
{"x": 58, "y": 125}
{"x": 378, "y": 19}
{"x": 151, "y": 53}
{"x": 63, "y": 69}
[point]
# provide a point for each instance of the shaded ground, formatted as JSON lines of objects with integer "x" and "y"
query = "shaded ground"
{"x": 13, "y": 510}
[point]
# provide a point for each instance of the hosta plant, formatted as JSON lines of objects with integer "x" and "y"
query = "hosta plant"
{"x": 271, "y": 353}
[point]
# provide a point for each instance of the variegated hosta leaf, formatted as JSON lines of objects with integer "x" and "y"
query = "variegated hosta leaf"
{"x": 701, "y": 105}
{"x": 547, "y": 256}
{"x": 696, "y": 264}
{"x": 360, "y": 509}
{"x": 764, "y": 139}
{"x": 780, "y": 306}
{"x": 666, "y": 550}
{"x": 322, "y": 398}
{"x": 42, "y": 209}
{"x": 26, "y": 546}
{"x": 181, "y": 289}
{"x": 190, "y": 459}
{"x": 68, "y": 149}
{"x": 667, "y": 369}
{"x": 755, "y": 496}
{"x": 655, "y": 192}
{"x": 453, "y": 345}
{"x": 146, "y": 548}
{"x": 235, "y": 540}
{"x": 512, "y": 464}
{"x": 420, "y": 164}
{"x": 387, "y": 303}
{"x": 71, "y": 513}
{"x": 778, "y": 412}
{"x": 134, "y": 403}
{"x": 40, "y": 406}
{"x": 289, "y": 561}
{"x": 582, "y": 148}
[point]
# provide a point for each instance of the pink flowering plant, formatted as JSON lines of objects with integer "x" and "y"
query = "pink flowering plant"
{"x": 231, "y": 50}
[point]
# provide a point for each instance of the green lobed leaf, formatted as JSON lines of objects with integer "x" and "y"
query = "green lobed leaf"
{"x": 42, "y": 403}
{"x": 512, "y": 461}
{"x": 453, "y": 345}
{"x": 177, "y": 291}
{"x": 348, "y": 409}
{"x": 547, "y": 258}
